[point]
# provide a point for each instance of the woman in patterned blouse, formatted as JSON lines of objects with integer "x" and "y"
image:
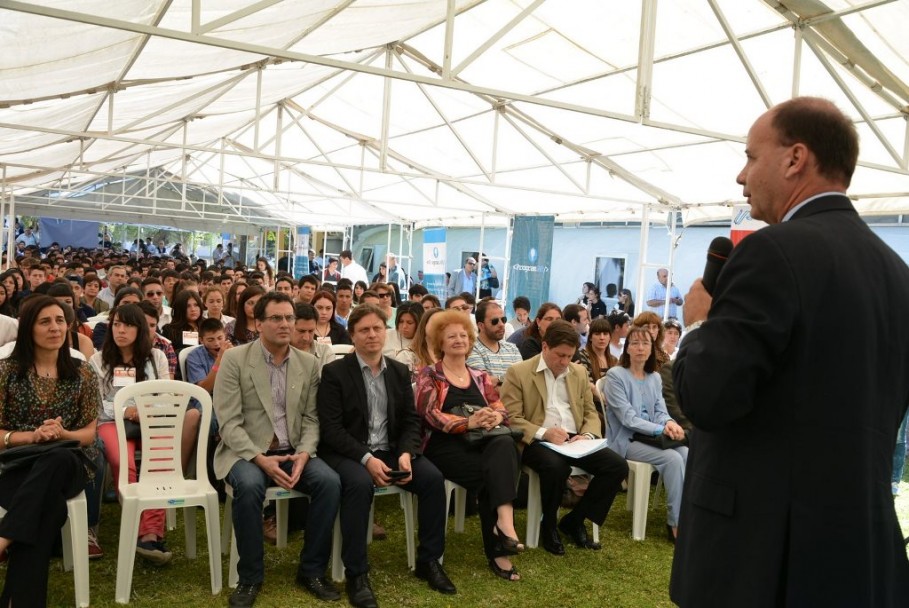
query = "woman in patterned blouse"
{"x": 45, "y": 396}
{"x": 489, "y": 469}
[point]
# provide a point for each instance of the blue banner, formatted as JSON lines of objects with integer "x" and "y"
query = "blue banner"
{"x": 75, "y": 233}
{"x": 301, "y": 251}
{"x": 434, "y": 261}
{"x": 531, "y": 257}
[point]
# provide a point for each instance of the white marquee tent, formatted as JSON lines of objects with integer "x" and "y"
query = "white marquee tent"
{"x": 425, "y": 112}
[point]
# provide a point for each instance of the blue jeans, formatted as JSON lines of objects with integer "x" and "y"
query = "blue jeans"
{"x": 899, "y": 455}
{"x": 249, "y": 483}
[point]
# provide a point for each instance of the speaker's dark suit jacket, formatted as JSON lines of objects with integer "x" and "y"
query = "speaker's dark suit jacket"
{"x": 797, "y": 384}
{"x": 344, "y": 413}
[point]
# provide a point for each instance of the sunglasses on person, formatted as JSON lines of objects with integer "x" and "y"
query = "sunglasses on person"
{"x": 497, "y": 320}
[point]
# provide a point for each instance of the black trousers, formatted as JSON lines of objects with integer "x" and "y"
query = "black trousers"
{"x": 491, "y": 470}
{"x": 608, "y": 470}
{"x": 357, "y": 487}
{"x": 35, "y": 500}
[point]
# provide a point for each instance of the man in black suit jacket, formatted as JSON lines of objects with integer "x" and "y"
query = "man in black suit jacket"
{"x": 369, "y": 427}
{"x": 786, "y": 499}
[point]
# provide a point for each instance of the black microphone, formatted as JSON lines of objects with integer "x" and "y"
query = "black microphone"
{"x": 717, "y": 253}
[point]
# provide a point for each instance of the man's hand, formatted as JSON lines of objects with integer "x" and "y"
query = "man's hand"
{"x": 378, "y": 471}
{"x": 272, "y": 467}
{"x": 578, "y": 437}
{"x": 556, "y": 435}
{"x": 299, "y": 461}
{"x": 699, "y": 302}
{"x": 404, "y": 465}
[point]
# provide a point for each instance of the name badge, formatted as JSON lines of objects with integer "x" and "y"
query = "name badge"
{"x": 124, "y": 376}
{"x": 190, "y": 338}
{"x": 326, "y": 341}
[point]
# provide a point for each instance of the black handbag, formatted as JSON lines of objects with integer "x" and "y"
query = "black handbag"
{"x": 133, "y": 429}
{"x": 25, "y": 455}
{"x": 661, "y": 441}
{"x": 478, "y": 436}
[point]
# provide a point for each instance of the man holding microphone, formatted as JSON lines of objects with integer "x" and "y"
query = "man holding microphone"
{"x": 786, "y": 499}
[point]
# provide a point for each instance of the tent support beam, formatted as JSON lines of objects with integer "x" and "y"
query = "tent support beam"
{"x": 477, "y": 52}
{"x": 737, "y": 46}
{"x": 643, "y": 90}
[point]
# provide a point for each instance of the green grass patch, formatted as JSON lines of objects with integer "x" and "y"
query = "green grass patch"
{"x": 624, "y": 573}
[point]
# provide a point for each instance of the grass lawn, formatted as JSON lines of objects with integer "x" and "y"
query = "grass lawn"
{"x": 624, "y": 573}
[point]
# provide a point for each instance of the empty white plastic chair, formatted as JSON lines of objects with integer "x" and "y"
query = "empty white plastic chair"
{"x": 161, "y": 405}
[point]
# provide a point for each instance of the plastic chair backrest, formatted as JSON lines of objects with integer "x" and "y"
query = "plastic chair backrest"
{"x": 182, "y": 359}
{"x": 162, "y": 407}
{"x": 601, "y": 386}
{"x": 341, "y": 349}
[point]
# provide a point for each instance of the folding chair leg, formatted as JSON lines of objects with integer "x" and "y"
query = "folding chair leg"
{"x": 534, "y": 509}
{"x": 227, "y": 525}
{"x": 214, "y": 541}
{"x": 126, "y": 553}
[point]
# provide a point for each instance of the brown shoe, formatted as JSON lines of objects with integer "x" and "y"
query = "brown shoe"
{"x": 378, "y": 532}
{"x": 270, "y": 530}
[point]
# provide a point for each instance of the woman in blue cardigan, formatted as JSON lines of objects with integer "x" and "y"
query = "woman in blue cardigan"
{"x": 634, "y": 396}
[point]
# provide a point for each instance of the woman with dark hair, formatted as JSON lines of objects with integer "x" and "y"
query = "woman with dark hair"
{"x": 634, "y": 399}
{"x": 10, "y": 286}
{"x": 126, "y": 295}
{"x": 490, "y": 468}
{"x": 430, "y": 301}
{"x": 396, "y": 294}
{"x": 596, "y": 306}
{"x": 420, "y": 354}
{"x": 186, "y": 315}
{"x": 328, "y": 330}
{"x": 6, "y": 305}
{"x": 245, "y": 325}
{"x": 63, "y": 293}
{"x": 267, "y": 271}
{"x": 533, "y": 337}
{"x": 382, "y": 275}
{"x": 45, "y": 396}
{"x": 584, "y": 300}
{"x": 595, "y": 356}
{"x": 127, "y": 357}
{"x": 626, "y": 302}
{"x": 90, "y": 290}
{"x": 359, "y": 288}
{"x": 407, "y": 318}
{"x": 232, "y": 300}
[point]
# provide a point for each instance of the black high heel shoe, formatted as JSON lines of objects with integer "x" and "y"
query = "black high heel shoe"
{"x": 506, "y": 544}
{"x": 509, "y": 575}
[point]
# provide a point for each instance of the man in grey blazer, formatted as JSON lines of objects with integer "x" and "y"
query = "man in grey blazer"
{"x": 265, "y": 400}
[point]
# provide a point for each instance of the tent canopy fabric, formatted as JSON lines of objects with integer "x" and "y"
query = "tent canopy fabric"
{"x": 425, "y": 112}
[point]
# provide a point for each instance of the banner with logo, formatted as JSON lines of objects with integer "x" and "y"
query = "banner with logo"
{"x": 742, "y": 223}
{"x": 531, "y": 257}
{"x": 301, "y": 251}
{"x": 434, "y": 260}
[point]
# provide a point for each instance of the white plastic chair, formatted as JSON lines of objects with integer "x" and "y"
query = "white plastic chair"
{"x": 181, "y": 358}
{"x": 75, "y": 535}
{"x": 639, "y": 474}
{"x": 229, "y": 539}
{"x": 535, "y": 508}
{"x": 162, "y": 405}
{"x": 460, "y": 498}
{"x": 341, "y": 349}
{"x": 337, "y": 565}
